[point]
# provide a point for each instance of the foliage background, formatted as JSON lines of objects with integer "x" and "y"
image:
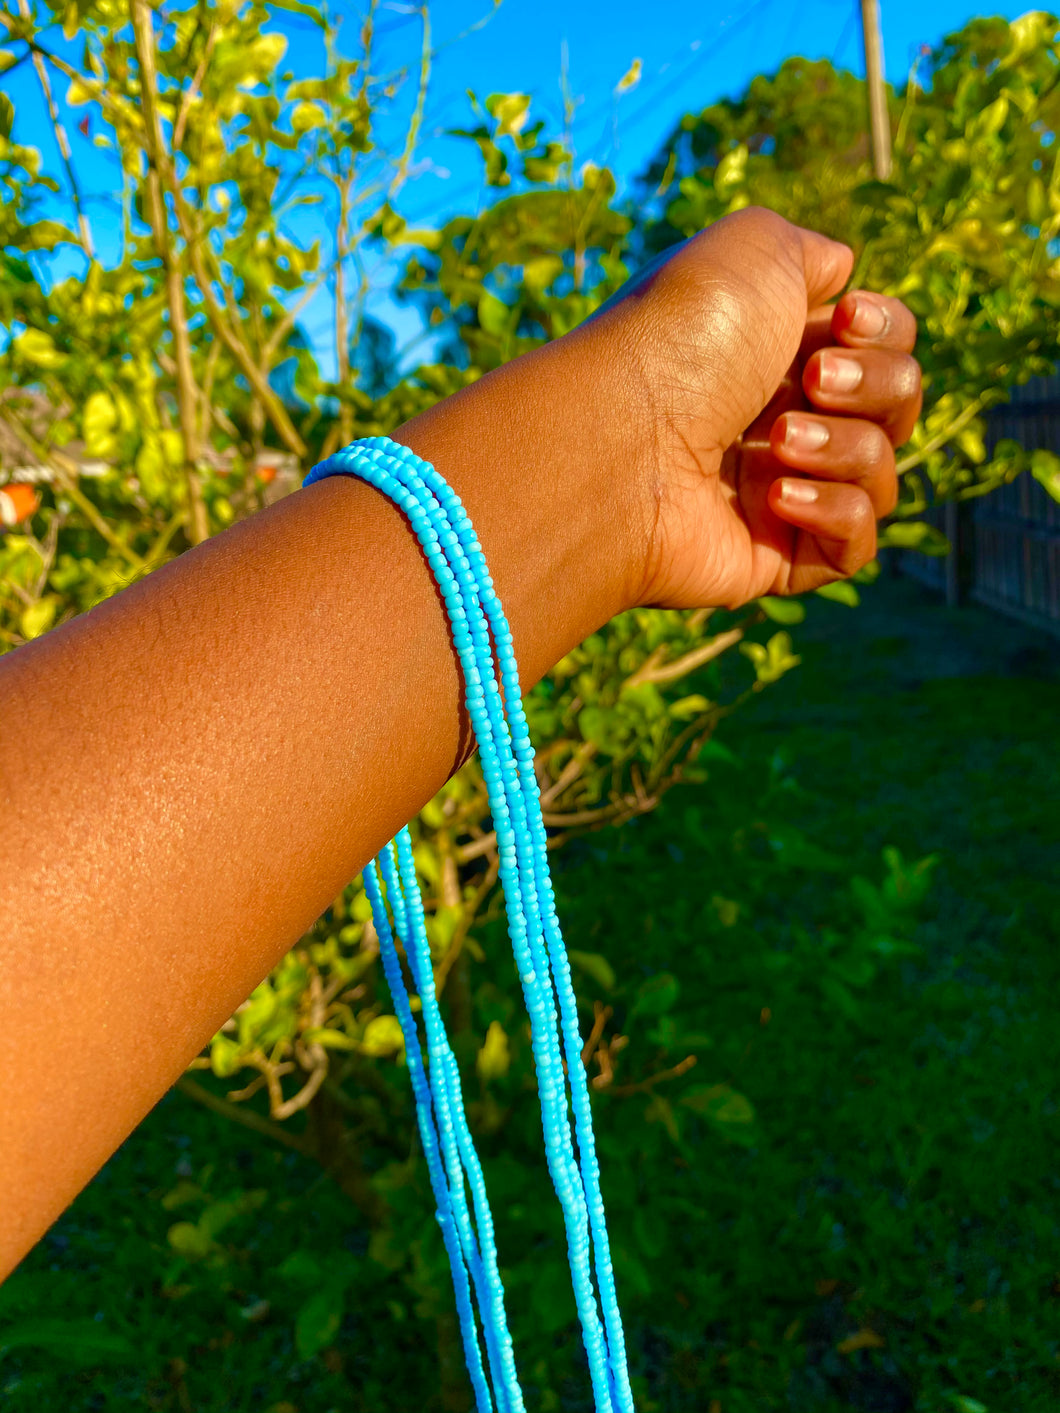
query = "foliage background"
{"x": 158, "y": 390}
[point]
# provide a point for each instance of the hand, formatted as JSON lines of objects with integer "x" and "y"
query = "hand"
{"x": 769, "y": 417}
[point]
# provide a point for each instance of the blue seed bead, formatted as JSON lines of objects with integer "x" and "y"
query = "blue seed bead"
{"x": 526, "y": 885}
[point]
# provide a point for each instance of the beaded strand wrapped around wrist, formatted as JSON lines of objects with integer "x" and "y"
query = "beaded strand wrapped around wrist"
{"x": 493, "y": 700}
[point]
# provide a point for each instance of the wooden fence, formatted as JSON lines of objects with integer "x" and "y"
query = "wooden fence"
{"x": 1005, "y": 547}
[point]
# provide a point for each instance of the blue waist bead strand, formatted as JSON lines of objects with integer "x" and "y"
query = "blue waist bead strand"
{"x": 494, "y": 705}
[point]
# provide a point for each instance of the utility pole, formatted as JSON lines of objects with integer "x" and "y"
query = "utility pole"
{"x": 879, "y": 122}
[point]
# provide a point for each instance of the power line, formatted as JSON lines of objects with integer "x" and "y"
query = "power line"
{"x": 646, "y": 108}
{"x": 661, "y": 79}
{"x": 844, "y": 37}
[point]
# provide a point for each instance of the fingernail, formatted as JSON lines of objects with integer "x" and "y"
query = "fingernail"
{"x": 804, "y": 434}
{"x": 797, "y": 492}
{"x": 839, "y": 374}
{"x": 869, "y": 320}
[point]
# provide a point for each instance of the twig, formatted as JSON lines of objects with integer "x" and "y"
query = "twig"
{"x": 670, "y": 671}
{"x": 188, "y": 97}
{"x": 644, "y": 1085}
{"x": 187, "y": 390}
{"x": 445, "y": 966}
{"x": 940, "y": 438}
{"x": 570, "y": 772}
{"x": 61, "y": 138}
{"x": 415, "y": 122}
{"x": 601, "y": 1015}
{"x": 247, "y": 1117}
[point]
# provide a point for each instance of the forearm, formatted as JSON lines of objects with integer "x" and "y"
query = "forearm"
{"x": 192, "y": 771}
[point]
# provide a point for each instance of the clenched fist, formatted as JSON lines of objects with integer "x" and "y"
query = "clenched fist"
{"x": 763, "y": 419}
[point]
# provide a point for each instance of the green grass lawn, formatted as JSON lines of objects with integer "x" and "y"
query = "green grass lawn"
{"x": 851, "y": 1202}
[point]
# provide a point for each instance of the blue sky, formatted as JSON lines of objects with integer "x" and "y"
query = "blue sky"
{"x": 691, "y": 52}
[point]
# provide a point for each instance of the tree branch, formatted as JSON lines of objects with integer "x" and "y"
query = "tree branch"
{"x": 247, "y": 1117}
{"x": 651, "y": 670}
{"x": 61, "y": 138}
{"x": 940, "y": 438}
{"x": 187, "y": 391}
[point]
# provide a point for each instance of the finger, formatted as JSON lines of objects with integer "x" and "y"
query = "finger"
{"x": 818, "y": 333}
{"x": 839, "y": 524}
{"x": 877, "y": 384}
{"x": 839, "y": 449}
{"x": 863, "y": 318}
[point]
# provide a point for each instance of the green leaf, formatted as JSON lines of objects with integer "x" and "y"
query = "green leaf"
{"x": 185, "y": 1192}
{"x": 7, "y": 108}
{"x": 1029, "y": 33}
{"x": 771, "y": 660}
{"x": 963, "y": 1404}
{"x": 783, "y": 610}
{"x": 595, "y": 725}
{"x": 79, "y": 1342}
{"x": 46, "y": 235}
{"x": 659, "y": 1110}
{"x": 792, "y": 849}
{"x": 595, "y": 966}
{"x": 330, "y": 1039}
{"x": 538, "y": 274}
{"x": 494, "y": 1058}
{"x": 1037, "y": 205}
{"x": 970, "y": 440}
{"x": 383, "y": 1036}
{"x": 687, "y": 707}
{"x": 728, "y": 1112}
{"x": 914, "y": 535}
{"x": 493, "y": 314}
{"x": 307, "y": 116}
{"x": 1045, "y": 468}
{"x": 190, "y": 1240}
{"x": 98, "y": 419}
{"x": 630, "y": 78}
{"x": 842, "y": 591}
{"x": 38, "y": 617}
{"x": 226, "y": 1056}
{"x": 730, "y": 171}
{"x": 992, "y": 119}
{"x": 318, "y": 1321}
{"x": 511, "y": 111}
{"x": 303, "y": 1267}
{"x": 37, "y": 347}
{"x": 656, "y": 995}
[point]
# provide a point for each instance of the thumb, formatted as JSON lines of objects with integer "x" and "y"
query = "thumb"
{"x": 826, "y": 265}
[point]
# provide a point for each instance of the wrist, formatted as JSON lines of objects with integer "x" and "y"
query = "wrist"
{"x": 539, "y": 451}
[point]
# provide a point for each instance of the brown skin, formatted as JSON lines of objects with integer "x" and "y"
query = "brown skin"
{"x": 193, "y": 770}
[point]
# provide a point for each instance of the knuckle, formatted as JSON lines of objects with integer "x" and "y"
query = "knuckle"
{"x": 907, "y": 377}
{"x": 876, "y": 450}
{"x": 862, "y": 519}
